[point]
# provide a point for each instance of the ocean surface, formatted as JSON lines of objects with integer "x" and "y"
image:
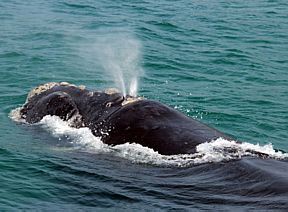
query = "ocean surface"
{"x": 223, "y": 62}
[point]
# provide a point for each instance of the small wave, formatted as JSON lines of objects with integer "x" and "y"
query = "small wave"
{"x": 209, "y": 152}
{"x": 79, "y": 6}
{"x": 214, "y": 151}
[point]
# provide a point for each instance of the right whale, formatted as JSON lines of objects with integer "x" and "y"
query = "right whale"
{"x": 118, "y": 119}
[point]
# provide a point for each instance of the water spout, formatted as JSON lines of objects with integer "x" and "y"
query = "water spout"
{"x": 119, "y": 55}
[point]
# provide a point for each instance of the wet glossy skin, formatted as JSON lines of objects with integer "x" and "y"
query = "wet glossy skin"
{"x": 146, "y": 122}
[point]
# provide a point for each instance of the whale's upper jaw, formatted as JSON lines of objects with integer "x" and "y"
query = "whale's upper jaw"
{"x": 40, "y": 89}
{"x": 47, "y": 86}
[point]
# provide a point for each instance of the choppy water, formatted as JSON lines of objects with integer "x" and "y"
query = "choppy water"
{"x": 221, "y": 62}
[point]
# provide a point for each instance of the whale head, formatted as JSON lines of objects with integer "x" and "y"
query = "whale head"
{"x": 68, "y": 100}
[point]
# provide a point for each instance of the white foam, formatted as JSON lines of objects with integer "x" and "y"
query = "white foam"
{"x": 214, "y": 151}
{"x": 80, "y": 137}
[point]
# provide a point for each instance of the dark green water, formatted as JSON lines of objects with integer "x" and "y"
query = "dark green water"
{"x": 222, "y": 62}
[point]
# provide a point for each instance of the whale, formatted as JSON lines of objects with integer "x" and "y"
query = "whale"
{"x": 119, "y": 119}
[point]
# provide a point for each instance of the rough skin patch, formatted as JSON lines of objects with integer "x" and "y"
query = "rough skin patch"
{"x": 130, "y": 100}
{"x": 111, "y": 91}
{"x": 42, "y": 88}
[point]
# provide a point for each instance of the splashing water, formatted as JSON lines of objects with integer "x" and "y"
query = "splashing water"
{"x": 214, "y": 151}
{"x": 119, "y": 56}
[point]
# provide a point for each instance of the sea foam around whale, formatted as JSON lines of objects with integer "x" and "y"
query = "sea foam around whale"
{"x": 214, "y": 151}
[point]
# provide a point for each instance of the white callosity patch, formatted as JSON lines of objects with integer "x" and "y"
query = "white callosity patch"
{"x": 111, "y": 91}
{"x": 40, "y": 89}
{"x": 44, "y": 87}
{"x": 15, "y": 115}
{"x": 129, "y": 100}
{"x": 214, "y": 151}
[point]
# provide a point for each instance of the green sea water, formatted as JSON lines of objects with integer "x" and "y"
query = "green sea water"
{"x": 223, "y": 62}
